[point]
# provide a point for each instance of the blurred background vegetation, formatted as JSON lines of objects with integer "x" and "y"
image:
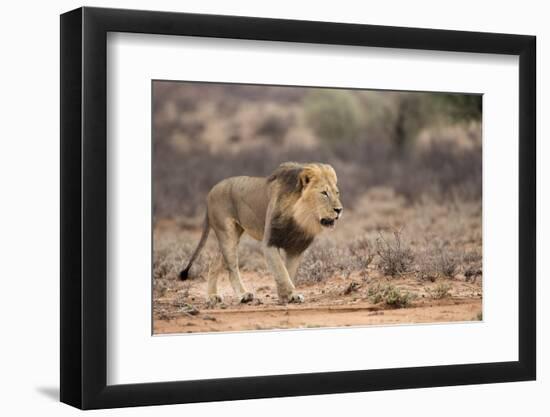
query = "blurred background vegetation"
{"x": 415, "y": 143}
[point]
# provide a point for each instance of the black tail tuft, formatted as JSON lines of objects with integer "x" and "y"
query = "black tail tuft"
{"x": 184, "y": 274}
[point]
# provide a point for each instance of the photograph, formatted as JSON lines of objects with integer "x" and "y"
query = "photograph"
{"x": 302, "y": 207}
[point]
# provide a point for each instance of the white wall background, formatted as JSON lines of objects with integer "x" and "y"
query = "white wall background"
{"x": 29, "y": 208}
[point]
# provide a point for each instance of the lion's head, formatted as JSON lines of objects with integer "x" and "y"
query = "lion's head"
{"x": 317, "y": 199}
{"x": 319, "y": 204}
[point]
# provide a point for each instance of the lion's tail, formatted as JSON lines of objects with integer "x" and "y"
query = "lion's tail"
{"x": 205, "y": 231}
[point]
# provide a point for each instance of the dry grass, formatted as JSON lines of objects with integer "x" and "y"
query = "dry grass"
{"x": 472, "y": 265}
{"x": 327, "y": 258}
{"x": 323, "y": 260}
{"x": 383, "y": 235}
{"x": 439, "y": 259}
{"x": 171, "y": 254}
{"x": 446, "y": 261}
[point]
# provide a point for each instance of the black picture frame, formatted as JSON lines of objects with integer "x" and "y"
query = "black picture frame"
{"x": 84, "y": 207}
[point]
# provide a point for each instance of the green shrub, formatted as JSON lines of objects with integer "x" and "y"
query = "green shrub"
{"x": 441, "y": 290}
{"x": 334, "y": 115}
{"x": 460, "y": 107}
{"x": 389, "y": 295}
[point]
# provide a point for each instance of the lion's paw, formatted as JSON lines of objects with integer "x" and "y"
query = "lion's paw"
{"x": 296, "y": 298}
{"x": 247, "y": 297}
{"x": 214, "y": 299}
{"x": 292, "y": 298}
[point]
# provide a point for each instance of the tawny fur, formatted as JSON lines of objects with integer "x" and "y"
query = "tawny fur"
{"x": 284, "y": 211}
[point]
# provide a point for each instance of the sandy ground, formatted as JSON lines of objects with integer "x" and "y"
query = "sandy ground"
{"x": 183, "y": 307}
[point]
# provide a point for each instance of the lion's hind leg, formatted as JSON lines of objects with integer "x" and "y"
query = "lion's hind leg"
{"x": 217, "y": 266}
{"x": 228, "y": 239}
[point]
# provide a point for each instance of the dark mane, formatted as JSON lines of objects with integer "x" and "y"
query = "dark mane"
{"x": 287, "y": 175}
{"x": 286, "y": 234}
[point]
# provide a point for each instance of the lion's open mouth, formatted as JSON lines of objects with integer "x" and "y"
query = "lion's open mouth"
{"x": 327, "y": 222}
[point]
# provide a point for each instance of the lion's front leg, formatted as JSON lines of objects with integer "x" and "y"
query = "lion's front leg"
{"x": 285, "y": 288}
{"x": 292, "y": 264}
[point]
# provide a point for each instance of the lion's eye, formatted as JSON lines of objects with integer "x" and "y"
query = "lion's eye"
{"x": 324, "y": 193}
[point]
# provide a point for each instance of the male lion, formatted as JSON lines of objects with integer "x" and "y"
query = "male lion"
{"x": 284, "y": 211}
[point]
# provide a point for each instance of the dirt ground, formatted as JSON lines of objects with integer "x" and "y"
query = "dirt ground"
{"x": 334, "y": 303}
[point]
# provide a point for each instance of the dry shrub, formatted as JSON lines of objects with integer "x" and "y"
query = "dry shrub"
{"x": 446, "y": 261}
{"x": 425, "y": 269}
{"x": 396, "y": 257}
{"x": 472, "y": 257}
{"x": 472, "y": 262}
{"x": 160, "y": 288}
{"x": 170, "y": 257}
{"x": 389, "y": 295}
{"x": 471, "y": 273}
{"x": 163, "y": 263}
{"x": 326, "y": 259}
{"x": 439, "y": 259}
{"x": 361, "y": 252}
{"x": 323, "y": 260}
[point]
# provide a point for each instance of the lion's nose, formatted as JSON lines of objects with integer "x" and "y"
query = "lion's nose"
{"x": 338, "y": 210}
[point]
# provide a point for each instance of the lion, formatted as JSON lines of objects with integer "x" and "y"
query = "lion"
{"x": 285, "y": 211}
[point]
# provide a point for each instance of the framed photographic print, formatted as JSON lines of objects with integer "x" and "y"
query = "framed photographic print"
{"x": 257, "y": 207}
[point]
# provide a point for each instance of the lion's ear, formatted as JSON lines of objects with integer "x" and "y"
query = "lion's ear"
{"x": 305, "y": 178}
